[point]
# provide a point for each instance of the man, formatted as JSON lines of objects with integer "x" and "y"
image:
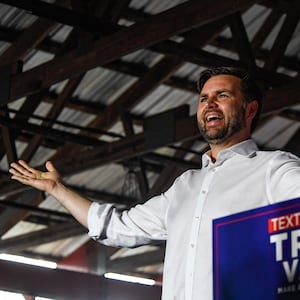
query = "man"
{"x": 235, "y": 176}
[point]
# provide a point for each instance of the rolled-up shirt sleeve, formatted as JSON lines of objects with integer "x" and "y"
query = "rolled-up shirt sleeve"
{"x": 97, "y": 216}
{"x": 139, "y": 225}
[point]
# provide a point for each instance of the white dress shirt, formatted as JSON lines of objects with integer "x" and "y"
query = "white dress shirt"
{"x": 242, "y": 178}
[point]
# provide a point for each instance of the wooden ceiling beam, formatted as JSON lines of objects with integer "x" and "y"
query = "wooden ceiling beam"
{"x": 42, "y": 236}
{"x": 283, "y": 37}
{"x": 61, "y": 14}
{"x": 207, "y": 59}
{"x": 13, "y": 189}
{"x": 64, "y": 96}
{"x": 133, "y": 95}
{"x": 129, "y": 263}
{"x": 22, "y": 116}
{"x": 122, "y": 67}
{"x": 214, "y": 59}
{"x": 241, "y": 41}
{"x": 22, "y": 45}
{"x": 51, "y": 133}
{"x": 126, "y": 148}
{"x": 265, "y": 29}
{"x": 115, "y": 9}
{"x": 8, "y": 217}
{"x": 53, "y": 113}
{"x": 7, "y": 138}
{"x": 8, "y": 144}
{"x": 170, "y": 172}
{"x": 138, "y": 90}
{"x": 290, "y": 114}
{"x": 33, "y": 101}
{"x": 288, "y": 62}
{"x": 52, "y": 215}
{"x": 118, "y": 44}
{"x": 150, "y": 80}
{"x": 139, "y": 168}
{"x": 200, "y": 57}
{"x": 27, "y": 41}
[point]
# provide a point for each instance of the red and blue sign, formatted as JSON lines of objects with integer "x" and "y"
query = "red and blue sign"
{"x": 256, "y": 254}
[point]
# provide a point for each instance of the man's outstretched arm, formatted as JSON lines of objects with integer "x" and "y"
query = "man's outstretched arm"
{"x": 50, "y": 182}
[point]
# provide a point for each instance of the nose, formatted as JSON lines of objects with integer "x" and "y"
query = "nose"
{"x": 211, "y": 102}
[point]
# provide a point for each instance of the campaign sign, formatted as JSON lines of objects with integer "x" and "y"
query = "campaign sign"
{"x": 256, "y": 254}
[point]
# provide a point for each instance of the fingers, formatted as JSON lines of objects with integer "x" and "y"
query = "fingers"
{"x": 16, "y": 175}
{"x": 50, "y": 167}
{"x": 22, "y": 179}
{"x": 22, "y": 169}
{"x": 26, "y": 166}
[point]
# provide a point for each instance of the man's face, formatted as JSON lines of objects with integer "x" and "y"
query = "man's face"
{"x": 221, "y": 111}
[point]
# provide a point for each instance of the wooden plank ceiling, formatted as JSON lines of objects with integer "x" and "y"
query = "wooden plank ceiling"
{"x": 176, "y": 37}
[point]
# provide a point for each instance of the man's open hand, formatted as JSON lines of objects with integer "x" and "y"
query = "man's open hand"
{"x": 24, "y": 173}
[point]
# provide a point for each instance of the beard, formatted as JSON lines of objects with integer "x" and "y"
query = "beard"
{"x": 235, "y": 123}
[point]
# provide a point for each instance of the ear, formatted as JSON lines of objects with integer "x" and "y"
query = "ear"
{"x": 251, "y": 110}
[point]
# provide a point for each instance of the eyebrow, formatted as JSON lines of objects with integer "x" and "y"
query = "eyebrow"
{"x": 224, "y": 90}
{"x": 217, "y": 92}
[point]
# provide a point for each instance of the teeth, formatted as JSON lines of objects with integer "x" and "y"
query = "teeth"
{"x": 211, "y": 117}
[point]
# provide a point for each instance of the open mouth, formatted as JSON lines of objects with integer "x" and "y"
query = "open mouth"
{"x": 213, "y": 117}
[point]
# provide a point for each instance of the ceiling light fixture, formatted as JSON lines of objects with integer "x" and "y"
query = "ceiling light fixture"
{"x": 28, "y": 261}
{"x": 129, "y": 278}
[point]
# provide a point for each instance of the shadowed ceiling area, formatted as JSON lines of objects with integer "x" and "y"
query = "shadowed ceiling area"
{"x": 107, "y": 91}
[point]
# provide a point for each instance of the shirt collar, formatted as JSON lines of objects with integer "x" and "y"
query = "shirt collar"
{"x": 246, "y": 148}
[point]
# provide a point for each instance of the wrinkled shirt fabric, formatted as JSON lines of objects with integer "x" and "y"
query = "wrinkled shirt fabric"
{"x": 241, "y": 178}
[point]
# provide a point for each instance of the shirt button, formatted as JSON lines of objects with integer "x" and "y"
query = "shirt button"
{"x": 192, "y": 245}
{"x": 203, "y": 192}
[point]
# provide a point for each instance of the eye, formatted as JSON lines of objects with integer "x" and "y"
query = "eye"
{"x": 223, "y": 95}
{"x": 202, "y": 99}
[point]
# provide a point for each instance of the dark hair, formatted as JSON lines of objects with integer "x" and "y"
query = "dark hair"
{"x": 249, "y": 88}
